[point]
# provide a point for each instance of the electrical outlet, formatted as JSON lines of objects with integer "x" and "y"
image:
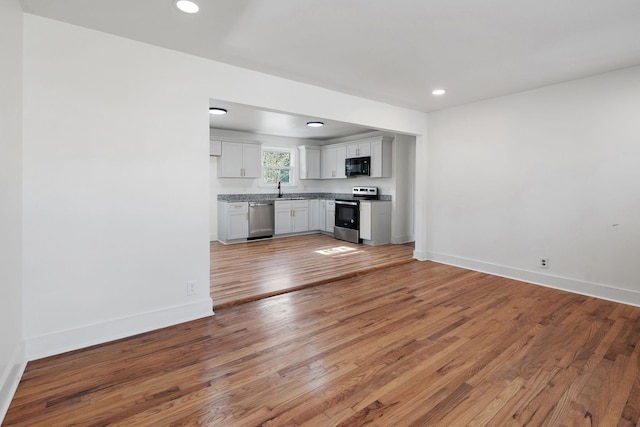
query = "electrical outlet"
{"x": 544, "y": 262}
{"x": 191, "y": 287}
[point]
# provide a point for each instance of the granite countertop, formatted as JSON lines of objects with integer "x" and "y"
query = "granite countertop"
{"x": 289, "y": 196}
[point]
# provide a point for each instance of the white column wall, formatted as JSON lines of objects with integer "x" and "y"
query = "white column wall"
{"x": 115, "y": 188}
{"x": 116, "y": 207}
{"x": 11, "y": 347}
{"x": 404, "y": 159}
{"x": 552, "y": 173}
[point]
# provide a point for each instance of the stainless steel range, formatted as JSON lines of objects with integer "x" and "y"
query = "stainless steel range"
{"x": 347, "y": 225}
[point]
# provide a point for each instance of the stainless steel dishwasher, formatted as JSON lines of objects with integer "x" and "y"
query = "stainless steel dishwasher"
{"x": 261, "y": 221}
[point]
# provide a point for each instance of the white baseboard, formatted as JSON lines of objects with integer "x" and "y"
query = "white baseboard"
{"x": 399, "y": 240}
{"x": 74, "y": 339}
{"x": 421, "y": 255}
{"x": 609, "y": 293}
{"x": 10, "y": 379}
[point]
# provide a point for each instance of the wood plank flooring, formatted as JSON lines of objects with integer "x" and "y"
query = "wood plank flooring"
{"x": 419, "y": 344}
{"x": 246, "y": 272}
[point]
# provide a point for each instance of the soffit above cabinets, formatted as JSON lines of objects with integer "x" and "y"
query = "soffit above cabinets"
{"x": 250, "y": 119}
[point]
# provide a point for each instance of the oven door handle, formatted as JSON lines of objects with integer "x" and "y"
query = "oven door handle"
{"x": 346, "y": 203}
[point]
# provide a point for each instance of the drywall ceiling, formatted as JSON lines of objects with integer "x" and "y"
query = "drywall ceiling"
{"x": 250, "y": 119}
{"x": 392, "y": 51}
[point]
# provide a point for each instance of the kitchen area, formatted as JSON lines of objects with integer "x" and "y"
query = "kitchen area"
{"x": 360, "y": 216}
{"x": 339, "y": 202}
{"x": 374, "y": 169}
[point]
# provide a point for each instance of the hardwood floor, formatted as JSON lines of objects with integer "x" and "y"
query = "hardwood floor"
{"x": 419, "y": 344}
{"x": 246, "y": 272}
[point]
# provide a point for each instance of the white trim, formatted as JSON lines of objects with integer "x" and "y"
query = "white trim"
{"x": 421, "y": 255}
{"x": 10, "y": 379}
{"x": 624, "y": 296}
{"x": 74, "y": 339}
{"x": 401, "y": 239}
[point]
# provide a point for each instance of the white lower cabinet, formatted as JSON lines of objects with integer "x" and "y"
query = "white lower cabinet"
{"x": 330, "y": 215}
{"x": 233, "y": 221}
{"x": 291, "y": 216}
{"x": 316, "y": 215}
{"x": 375, "y": 222}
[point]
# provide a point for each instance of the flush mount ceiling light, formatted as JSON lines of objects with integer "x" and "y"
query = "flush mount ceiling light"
{"x": 315, "y": 124}
{"x": 438, "y": 92}
{"x": 217, "y": 111}
{"x": 187, "y": 6}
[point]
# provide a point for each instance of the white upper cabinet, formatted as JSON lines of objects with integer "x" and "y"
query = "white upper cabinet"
{"x": 332, "y": 162}
{"x": 359, "y": 149}
{"x": 240, "y": 160}
{"x": 381, "y": 152}
{"x": 309, "y": 162}
{"x": 215, "y": 147}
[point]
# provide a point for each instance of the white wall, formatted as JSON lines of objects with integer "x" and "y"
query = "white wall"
{"x": 115, "y": 188}
{"x": 116, "y": 185}
{"x": 11, "y": 348}
{"x": 552, "y": 172}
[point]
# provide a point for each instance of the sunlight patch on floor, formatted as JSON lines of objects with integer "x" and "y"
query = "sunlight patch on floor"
{"x": 336, "y": 250}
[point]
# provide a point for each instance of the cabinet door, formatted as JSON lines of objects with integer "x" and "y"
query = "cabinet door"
{"x": 300, "y": 215}
{"x": 364, "y": 149}
{"x": 300, "y": 220}
{"x": 330, "y": 216}
{"x": 237, "y": 225}
{"x": 282, "y": 217}
{"x": 352, "y": 151}
{"x": 341, "y": 155}
{"x": 215, "y": 148}
{"x": 309, "y": 162}
{"x": 359, "y": 149}
{"x": 365, "y": 220}
{"x": 252, "y": 160}
{"x": 381, "y": 152}
{"x": 230, "y": 163}
{"x": 314, "y": 219}
{"x": 321, "y": 214}
{"x": 328, "y": 163}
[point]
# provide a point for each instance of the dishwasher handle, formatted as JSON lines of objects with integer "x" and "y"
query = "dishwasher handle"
{"x": 260, "y": 204}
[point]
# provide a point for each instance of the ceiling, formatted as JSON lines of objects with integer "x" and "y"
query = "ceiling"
{"x": 391, "y": 51}
{"x": 250, "y": 119}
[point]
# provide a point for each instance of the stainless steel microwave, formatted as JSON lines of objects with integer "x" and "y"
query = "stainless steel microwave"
{"x": 357, "y": 166}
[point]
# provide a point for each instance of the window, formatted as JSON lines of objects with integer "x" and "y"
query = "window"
{"x": 276, "y": 166}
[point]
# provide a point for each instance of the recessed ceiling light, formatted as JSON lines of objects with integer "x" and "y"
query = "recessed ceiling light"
{"x": 315, "y": 124}
{"x": 187, "y": 6}
{"x": 217, "y": 111}
{"x": 438, "y": 92}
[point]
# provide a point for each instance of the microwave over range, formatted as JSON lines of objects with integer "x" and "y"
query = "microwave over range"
{"x": 357, "y": 166}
